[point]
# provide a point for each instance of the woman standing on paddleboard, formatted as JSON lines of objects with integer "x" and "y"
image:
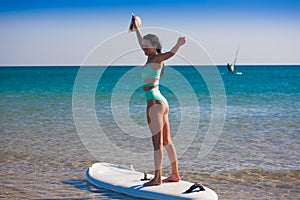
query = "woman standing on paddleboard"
{"x": 157, "y": 105}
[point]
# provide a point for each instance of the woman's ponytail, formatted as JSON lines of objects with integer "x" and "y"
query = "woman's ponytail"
{"x": 163, "y": 67}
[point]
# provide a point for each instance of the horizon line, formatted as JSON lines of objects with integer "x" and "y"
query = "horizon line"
{"x": 127, "y": 65}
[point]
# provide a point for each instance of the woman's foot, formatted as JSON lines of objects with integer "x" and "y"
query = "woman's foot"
{"x": 153, "y": 182}
{"x": 172, "y": 178}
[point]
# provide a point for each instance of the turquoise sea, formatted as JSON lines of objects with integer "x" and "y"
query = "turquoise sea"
{"x": 256, "y": 154}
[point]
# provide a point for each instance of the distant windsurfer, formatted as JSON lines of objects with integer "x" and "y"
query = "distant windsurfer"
{"x": 229, "y": 67}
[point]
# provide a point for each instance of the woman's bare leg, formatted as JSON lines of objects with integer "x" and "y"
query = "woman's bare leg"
{"x": 155, "y": 114}
{"x": 167, "y": 142}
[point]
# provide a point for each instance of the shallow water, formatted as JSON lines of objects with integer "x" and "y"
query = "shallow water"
{"x": 256, "y": 156}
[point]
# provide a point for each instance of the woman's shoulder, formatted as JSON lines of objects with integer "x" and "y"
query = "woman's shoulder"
{"x": 156, "y": 64}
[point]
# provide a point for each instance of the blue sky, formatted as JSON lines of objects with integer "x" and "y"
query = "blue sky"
{"x": 63, "y": 32}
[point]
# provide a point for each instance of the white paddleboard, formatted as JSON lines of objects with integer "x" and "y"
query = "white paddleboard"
{"x": 124, "y": 180}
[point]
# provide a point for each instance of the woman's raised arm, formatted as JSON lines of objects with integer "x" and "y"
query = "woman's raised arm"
{"x": 164, "y": 56}
{"x": 138, "y": 32}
